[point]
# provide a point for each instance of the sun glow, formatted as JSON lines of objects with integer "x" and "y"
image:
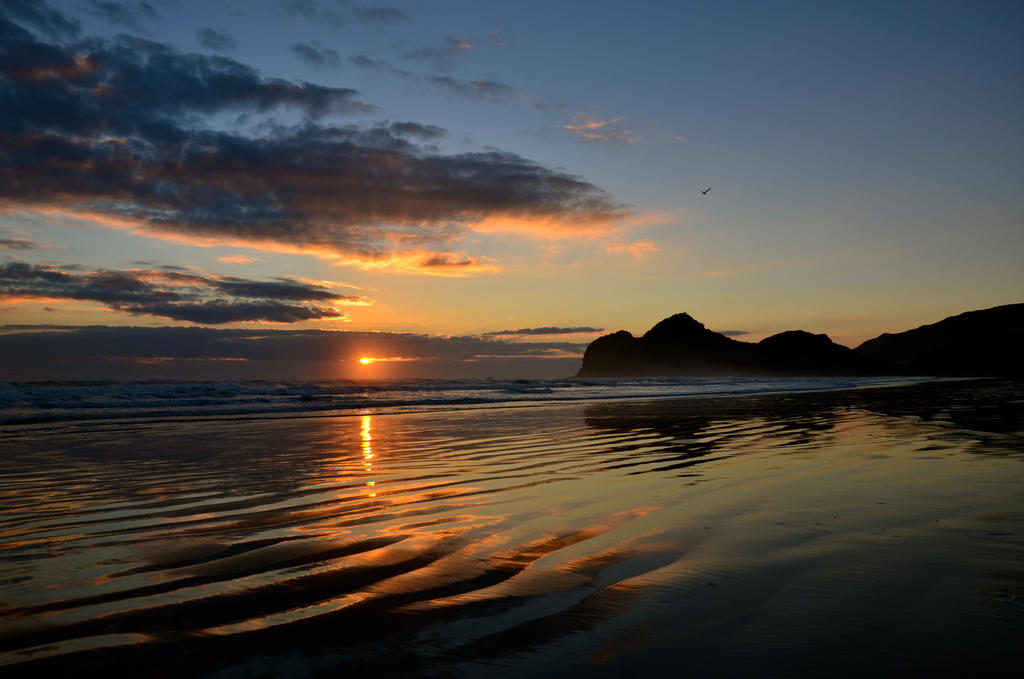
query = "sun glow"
{"x": 367, "y": 360}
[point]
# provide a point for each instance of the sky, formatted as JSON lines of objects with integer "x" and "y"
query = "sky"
{"x": 278, "y": 188}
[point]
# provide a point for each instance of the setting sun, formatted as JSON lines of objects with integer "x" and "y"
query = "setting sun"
{"x": 366, "y": 361}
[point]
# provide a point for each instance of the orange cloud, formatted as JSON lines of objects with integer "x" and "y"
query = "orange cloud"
{"x": 455, "y": 265}
{"x": 55, "y": 214}
{"x": 33, "y": 298}
{"x": 267, "y": 245}
{"x": 580, "y": 224}
{"x": 639, "y": 249}
{"x": 322, "y": 283}
{"x": 589, "y": 128}
{"x": 237, "y": 259}
{"x": 416, "y": 261}
{"x": 545, "y": 226}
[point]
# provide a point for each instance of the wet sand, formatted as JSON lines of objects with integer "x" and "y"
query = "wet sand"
{"x": 875, "y": 531}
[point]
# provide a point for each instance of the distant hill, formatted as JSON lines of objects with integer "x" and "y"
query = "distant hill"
{"x": 986, "y": 342}
{"x": 975, "y": 343}
{"x": 680, "y": 345}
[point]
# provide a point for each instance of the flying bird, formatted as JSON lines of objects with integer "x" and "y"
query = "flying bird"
{"x": 705, "y": 191}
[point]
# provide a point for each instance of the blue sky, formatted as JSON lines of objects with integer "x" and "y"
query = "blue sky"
{"x": 865, "y": 161}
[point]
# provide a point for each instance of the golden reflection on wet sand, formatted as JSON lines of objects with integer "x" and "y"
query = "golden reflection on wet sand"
{"x": 766, "y": 536}
{"x": 366, "y": 422}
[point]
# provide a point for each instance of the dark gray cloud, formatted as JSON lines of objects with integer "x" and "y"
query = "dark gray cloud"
{"x": 544, "y": 330}
{"x": 123, "y": 129}
{"x": 363, "y": 61}
{"x": 43, "y": 18}
{"x": 174, "y": 294}
{"x": 447, "y": 261}
{"x": 425, "y": 132}
{"x": 379, "y": 15}
{"x": 477, "y": 89}
{"x": 733, "y": 333}
{"x": 17, "y": 244}
{"x": 336, "y": 13}
{"x": 132, "y": 15}
{"x": 484, "y": 89}
{"x": 67, "y": 352}
{"x": 271, "y": 345}
{"x": 216, "y": 40}
{"x": 441, "y": 58}
{"x": 133, "y": 87}
{"x": 315, "y": 11}
{"x": 314, "y": 55}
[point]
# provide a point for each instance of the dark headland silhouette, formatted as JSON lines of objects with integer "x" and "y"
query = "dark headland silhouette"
{"x": 989, "y": 342}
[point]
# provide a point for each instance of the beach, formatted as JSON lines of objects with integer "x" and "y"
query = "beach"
{"x": 837, "y": 533}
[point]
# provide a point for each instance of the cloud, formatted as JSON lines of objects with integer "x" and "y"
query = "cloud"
{"x": 34, "y": 352}
{"x": 45, "y": 19}
{"x": 639, "y": 249}
{"x": 216, "y": 40}
{"x": 484, "y": 89}
{"x": 363, "y": 61}
{"x": 124, "y": 133}
{"x": 321, "y": 13}
{"x": 312, "y": 10}
{"x": 316, "y": 56}
{"x": 425, "y": 132}
{"x": 447, "y": 264}
{"x": 544, "y": 330}
{"x": 477, "y": 89}
{"x": 17, "y": 244}
{"x": 132, "y": 15}
{"x": 379, "y": 15}
{"x": 588, "y": 128}
{"x": 129, "y": 89}
{"x": 177, "y": 295}
{"x": 733, "y": 333}
{"x": 496, "y": 38}
{"x": 441, "y": 58}
{"x": 237, "y": 259}
{"x": 427, "y": 262}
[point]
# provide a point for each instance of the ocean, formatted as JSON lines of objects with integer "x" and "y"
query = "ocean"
{"x": 65, "y": 402}
{"x": 553, "y": 528}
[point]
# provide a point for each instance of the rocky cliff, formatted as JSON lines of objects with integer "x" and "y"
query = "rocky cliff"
{"x": 980, "y": 343}
{"x": 681, "y": 346}
{"x": 989, "y": 342}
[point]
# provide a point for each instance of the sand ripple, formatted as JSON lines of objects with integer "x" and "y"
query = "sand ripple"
{"x": 574, "y": 536}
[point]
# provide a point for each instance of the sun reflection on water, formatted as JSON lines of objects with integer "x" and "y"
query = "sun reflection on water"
{"x": 367, "y": 447}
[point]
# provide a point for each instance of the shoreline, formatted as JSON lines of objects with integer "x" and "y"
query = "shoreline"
{"x": 103, "y": 421}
